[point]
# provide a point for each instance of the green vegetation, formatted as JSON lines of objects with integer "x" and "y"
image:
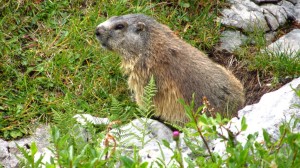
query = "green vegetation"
{"x": 267, "y": 63}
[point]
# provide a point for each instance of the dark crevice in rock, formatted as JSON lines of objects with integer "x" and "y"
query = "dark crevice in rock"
{"x": 271, "y": 12}
{"x": 261, "y": 2}
{"x": 268, "y": 20}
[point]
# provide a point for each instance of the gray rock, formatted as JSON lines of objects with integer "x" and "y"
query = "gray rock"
{"x": 270, "y": 36}
{"x": 9, "y": 150}
{"x": 294, "y": 1}
{"x": 152, "y": 154}
{"x": 231, "y": 40}
{"x": 7, "y": 158}
{"x": 297, "y": 12}
{"x": 289, "y": 9}
{"x": 84, "y": 118}
{"x": 247, "y": 16}
{"x": 146, "y": 135}
{"x": 277, "y": 11}
{"x": 271, "y": 20}
{"x": 152, "y": 130}
{"x": 288, "y": 44}
{"x": 272, "y": 110}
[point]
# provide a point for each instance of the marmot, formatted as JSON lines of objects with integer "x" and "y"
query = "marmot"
{"x": 180, "y": 70}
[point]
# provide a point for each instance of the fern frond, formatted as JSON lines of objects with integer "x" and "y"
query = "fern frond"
{"x": 116, "y": 106}
{"x": 149, "y": 92}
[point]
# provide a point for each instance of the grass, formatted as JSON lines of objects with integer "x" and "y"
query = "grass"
{"x": 275, "y": 64}
{"x": 52, "y": 67}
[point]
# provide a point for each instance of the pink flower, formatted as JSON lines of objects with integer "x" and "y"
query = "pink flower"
{"x": 176, "y": 135}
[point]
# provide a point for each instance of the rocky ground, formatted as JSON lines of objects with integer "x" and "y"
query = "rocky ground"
{"x": 280, "y": 19}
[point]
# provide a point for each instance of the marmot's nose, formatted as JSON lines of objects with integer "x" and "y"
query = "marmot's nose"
{"x": 100, "y": 31}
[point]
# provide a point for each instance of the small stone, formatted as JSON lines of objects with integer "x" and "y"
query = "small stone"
{"x": 231, "y": 40}
{"x": 9, "y": 151}
{"x": 270, "y": 36}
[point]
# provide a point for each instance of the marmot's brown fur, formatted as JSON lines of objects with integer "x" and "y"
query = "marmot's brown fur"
{"x": 179, "y": 69}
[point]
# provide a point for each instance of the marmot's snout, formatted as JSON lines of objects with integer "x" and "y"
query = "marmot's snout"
{"x": 101, "y": 36}
{"x": 100, "y": 32}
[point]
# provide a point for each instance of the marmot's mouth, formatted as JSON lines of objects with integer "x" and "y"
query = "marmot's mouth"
{"x": 103, "y": 42}
{"x": 105, "y": 45}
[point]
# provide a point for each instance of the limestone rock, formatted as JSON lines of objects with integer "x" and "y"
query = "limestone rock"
{"x": 84, "y": 118}
{"x": 9, "y": 150}
{"x": 289, "y": 9}
{"x": 271, "y": 20}
{"x": 152, "y": 130}
{"x": 270, "y": 36}
{"x": 260, "y": 14}
{"x": 246, "y": 15}
{"x": 273, "y": 109}
{"x": 269, "y": 113}
{"x": 297, "y": 12}
{"x": 277, "y": 11}
{"x": 288, "y": 44}
{"x": 294, "y": 1}
{"x": 145, "y": 134}
{"x": 152, "y": 154}
{"x": 231, "y": 40}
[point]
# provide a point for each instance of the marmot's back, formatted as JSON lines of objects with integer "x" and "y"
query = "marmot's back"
{"x": 149, "y": 48}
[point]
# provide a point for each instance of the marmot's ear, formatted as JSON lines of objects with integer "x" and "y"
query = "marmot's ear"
{"x": 140, "y": 26}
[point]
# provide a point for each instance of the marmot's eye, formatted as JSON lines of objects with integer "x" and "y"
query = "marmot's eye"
{"x": 119, "y": 26}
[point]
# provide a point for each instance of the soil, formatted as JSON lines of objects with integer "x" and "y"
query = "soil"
{"x": 255, "y": 84}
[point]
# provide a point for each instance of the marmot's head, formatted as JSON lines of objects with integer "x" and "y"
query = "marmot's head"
{"x": 127, "y": 34}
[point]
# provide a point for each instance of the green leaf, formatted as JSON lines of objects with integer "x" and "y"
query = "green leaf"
{"x": 243, "y": 155}
{"x": 33, "y": 148}
{"x": 282, "y": 129}
{"x": 71, "y": 152}
{"x": 244, "y": 124}
{"x": 266, "y": 137}
{"x": 16, "y": 133}
{"x": 185, "y": 5}
{"x": 127, "y": 162}
{"x": 166, "y": 144}
{"x": 203, "y": 119}
{"x": 144, "y": 165}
